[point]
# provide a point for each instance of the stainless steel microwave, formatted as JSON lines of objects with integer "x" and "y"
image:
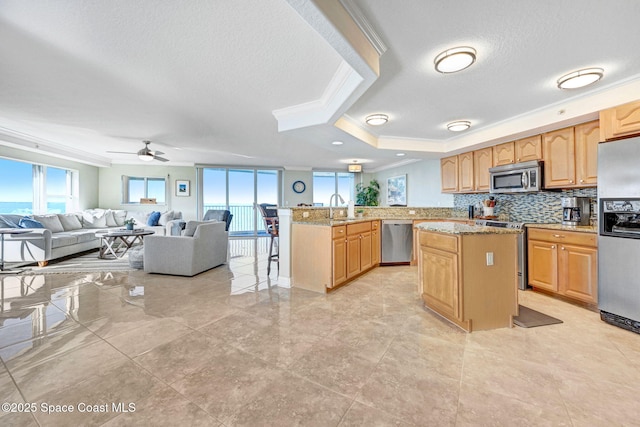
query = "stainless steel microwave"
{"x": 522, "y": 177}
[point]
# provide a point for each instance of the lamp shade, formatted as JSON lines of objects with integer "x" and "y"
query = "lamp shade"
{"x": 355, "y": 168}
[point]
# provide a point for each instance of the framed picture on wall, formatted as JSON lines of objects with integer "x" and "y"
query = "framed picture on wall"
{"x": 183, "y": 188}
{"x": 397, "y": 191}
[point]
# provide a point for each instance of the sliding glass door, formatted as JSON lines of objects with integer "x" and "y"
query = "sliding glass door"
{"x": 239, "y": 190}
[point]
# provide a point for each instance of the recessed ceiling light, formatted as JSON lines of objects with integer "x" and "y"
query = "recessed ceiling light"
{"x": 580, "y": 78}
{"x": 455, "y": 59}
{"x": 337, "y": 142}
{"x": 400, "y": 154}
{"x": 459, "y": 126}
{"x": 376, "y": 119}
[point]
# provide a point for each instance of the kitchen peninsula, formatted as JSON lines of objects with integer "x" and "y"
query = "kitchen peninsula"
{"x": 468, "y": 273}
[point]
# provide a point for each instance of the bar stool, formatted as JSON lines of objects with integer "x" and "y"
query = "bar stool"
{"x": 271, "y": 225}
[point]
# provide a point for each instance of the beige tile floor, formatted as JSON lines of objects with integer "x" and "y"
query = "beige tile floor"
{"x": 232, "y": 347}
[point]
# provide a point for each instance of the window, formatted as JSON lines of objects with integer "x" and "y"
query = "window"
{"x": 136, "y": 188}
{"x": 325, "y": 184}
{"x": 35, "y": 188}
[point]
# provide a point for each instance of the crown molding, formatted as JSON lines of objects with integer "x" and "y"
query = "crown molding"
{"x": 395, "y": 165}
{"x": 23, "y": 141}
{"x": 365, "y": 26}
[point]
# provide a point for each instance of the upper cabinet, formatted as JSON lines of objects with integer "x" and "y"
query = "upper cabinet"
{"x": 527, "y": 149}
{"x": 620, "y": 121}
{"x": 449, "y": 174}
{"x": 465, "y": 172}
{"x": 482, "y": 161}
{"x": 504, "y": 154}
{"x": 570, "y": 156}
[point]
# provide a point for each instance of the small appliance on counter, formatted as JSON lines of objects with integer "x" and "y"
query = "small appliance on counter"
{"x": 575, "y": 210}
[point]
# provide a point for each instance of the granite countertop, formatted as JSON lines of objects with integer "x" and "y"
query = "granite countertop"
{"x": 578, "y": 228}
{"x": 458, "y": 228}
{"x": 345, "y": 221}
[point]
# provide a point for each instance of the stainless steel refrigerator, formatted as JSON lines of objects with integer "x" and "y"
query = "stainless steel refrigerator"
{"x": 619, "y": 233}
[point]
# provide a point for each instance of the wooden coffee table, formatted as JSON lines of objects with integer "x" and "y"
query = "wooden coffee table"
{"x": 117, "y": 243}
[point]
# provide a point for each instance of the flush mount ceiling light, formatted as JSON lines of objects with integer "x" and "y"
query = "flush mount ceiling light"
{"x": 580, "y": 78}
{"x": 355, "y": 167}
{"x": 400, "y": 154}
{"x": 376, "y": 119}
{"x": 459, "y": 126}
{"x": 455, "y": 59}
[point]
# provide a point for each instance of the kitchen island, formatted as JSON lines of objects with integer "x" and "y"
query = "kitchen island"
{"x": 468, "y": 273}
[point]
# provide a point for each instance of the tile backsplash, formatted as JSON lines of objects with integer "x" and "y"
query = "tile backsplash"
{"x": 541, "y": 207}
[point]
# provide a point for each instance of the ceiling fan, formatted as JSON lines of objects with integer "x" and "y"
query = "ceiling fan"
{"x": 145, "y": 154}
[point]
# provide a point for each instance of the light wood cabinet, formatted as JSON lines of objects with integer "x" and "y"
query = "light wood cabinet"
{"x": 571, "y": 156}
{"x": 482, "y": 161}
{"x": 528, "y": 149}
{"x": 587, "y": 137}
{"x": 465, "y": 172}
{"x": 330, "y": 256}
{"x": 457, "y": 284}
{"x": 620, "y": 121}
{"x": 504, "y": 154}
{"x": 449, "y": 174}
{"x": 564, "y": 262}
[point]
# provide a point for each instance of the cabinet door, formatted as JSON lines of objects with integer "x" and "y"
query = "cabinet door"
{"x": 440, "y": 285}
{"x": 578, "y": 272}
{"x": 366, "y": 259}
{"x": 559, "y": 158}
{"x": 482, "y": 161}
{"x": 623, "y": 120}
{"x": 503, "y": 154}
{"x": 587, "y": 138}
{"x": 543, "y": 265}
{"x": 375, "y": 242}
{"x": 449, "y": 174}
{"x": 529, "y": 149}
{"x": 465, "y": 172}
{"x": 353, "y": 255}
{"x": 339, "y": 261}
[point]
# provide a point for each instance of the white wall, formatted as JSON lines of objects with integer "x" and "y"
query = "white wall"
{"x": 290, "y": 197}
{"x": 423, "y": 184}
{"x": 110, "y": 187}
{"x": 88, "y": 175}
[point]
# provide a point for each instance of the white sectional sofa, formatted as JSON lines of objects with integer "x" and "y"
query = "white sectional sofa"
{"x": 70, "y": 233}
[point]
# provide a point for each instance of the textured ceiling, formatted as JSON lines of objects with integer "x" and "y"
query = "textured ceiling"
{"x": 212, "y": 81}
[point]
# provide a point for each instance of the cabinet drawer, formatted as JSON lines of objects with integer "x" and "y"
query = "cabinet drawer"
{"x": 440, "y": 241}
{"x": 358, "y": 228}
{"x": 561, "y": 236}
{"x": 375, "y": 225}
{"x": 338, "y": 231}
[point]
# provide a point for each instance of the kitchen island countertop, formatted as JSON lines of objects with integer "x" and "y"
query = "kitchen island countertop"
{"x": 578, "y": 228}
{"x": 458, "y": 228}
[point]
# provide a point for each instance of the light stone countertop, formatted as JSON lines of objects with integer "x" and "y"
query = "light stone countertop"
{"x": 578, "y": 228}
{"x": 345, "y": 221}
{"x": 458, "y": 228}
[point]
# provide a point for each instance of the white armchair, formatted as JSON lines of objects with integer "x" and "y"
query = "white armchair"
{"x": 187, "y": 255}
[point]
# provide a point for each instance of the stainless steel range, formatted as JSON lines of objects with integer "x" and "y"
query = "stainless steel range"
{"x": 522, "y": 246}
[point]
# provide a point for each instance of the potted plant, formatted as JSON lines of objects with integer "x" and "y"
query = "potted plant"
{"x": 368, "y": 196}
{"x": 129, "y": 223}
{"x": 360, "y": 213}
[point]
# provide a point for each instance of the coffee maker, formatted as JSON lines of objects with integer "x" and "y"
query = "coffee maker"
{"x": 576, "y": 210}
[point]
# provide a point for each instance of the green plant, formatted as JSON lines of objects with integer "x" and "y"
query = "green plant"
{"x": 368, "y": 196}
{"x": 129, "y": 221}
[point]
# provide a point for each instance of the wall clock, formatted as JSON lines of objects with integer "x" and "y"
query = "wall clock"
{"x": 299, "y": 187}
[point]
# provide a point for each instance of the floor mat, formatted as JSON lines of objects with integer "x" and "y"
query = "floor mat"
{"x": 529, "y": 318}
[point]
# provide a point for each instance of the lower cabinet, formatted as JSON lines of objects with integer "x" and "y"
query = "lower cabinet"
{"x": 330, "y": 256}
{"x": 564, "y": 262}
{"x": 457, "y": 283}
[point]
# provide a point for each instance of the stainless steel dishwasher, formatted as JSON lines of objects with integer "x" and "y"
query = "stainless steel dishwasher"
{"x": 397, "y": 241}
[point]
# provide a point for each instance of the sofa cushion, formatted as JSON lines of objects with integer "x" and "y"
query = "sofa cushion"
{"x": 110, "y": 218}
{"x": 50, "y": 222}
{"x": 70, "y": 221}
{"x": 139, "y": 218}
{"x": 10, "y": 221}
{"x": 153, "y": 219}
{"x": 190, "y": 228}
{"x": 27, "y": 222}
{"x": 63, "y": 239}
{"x": 119, "y": 216}
{"x": 165, "y": 217}
{"x": 94, "y": 218}
{"x": 84, "y": 236}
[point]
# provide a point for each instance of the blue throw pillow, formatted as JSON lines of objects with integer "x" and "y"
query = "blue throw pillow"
{"x": 153, "y": 219}
{"x": 27, "y": 222}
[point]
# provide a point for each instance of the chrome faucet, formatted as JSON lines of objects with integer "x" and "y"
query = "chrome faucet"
{"x": 338, "y": 197}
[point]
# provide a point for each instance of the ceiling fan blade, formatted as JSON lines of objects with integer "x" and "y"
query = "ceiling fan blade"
{"x": 162, "y": 159}
{"x": 156, "y": 153}
{"x": 121, "y": 152}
